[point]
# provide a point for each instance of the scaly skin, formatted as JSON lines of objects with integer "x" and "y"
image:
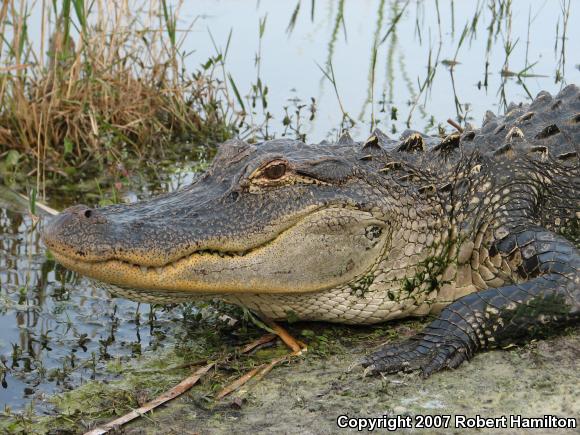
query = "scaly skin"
{"x": 481, "y": 227}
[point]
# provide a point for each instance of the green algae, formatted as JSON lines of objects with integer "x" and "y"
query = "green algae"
{"x": 312, "y": 390}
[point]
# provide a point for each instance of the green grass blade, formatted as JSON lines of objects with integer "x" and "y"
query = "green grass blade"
{"x": 236, "y": 92}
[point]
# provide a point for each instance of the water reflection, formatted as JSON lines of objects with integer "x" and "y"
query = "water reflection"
{"x": 398, "y": 64}
{"x": 58, "y": 329}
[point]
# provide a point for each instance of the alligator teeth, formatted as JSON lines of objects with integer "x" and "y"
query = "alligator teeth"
{"x": 159, "y": 270}
{"x": 143, "y": 269}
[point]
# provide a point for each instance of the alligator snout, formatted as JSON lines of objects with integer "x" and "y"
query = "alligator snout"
{"x": 69, "y": 225}
{"x": 78, "y": 216}
{"x": 138, "y": 235}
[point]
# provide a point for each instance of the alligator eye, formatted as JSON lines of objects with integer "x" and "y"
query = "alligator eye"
{"x": 273, "y": 172}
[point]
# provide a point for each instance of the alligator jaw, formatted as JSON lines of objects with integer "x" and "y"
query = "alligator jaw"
{"x": 277, "y": 266}
{"x": 166, "y": 277}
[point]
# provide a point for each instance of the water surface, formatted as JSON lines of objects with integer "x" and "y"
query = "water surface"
{"x": 395, "y": 54}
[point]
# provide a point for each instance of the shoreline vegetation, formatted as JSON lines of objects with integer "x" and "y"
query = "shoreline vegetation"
{"x": 105, "y": 85}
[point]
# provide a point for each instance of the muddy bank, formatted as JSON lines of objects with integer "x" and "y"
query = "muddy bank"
{"x": 306, "y": 396}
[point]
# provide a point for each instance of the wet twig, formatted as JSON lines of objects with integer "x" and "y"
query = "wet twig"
{"x": 455, "y": 125}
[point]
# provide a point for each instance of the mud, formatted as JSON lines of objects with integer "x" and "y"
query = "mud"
{"x": 307, "y": 396}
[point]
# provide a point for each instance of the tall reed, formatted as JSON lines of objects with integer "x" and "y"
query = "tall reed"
{"x": 102, "y": 81}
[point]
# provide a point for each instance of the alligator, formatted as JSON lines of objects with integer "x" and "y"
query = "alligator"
{"x": 480, "y": 228}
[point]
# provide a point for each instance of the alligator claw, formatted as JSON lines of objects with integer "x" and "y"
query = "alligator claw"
{"x": 417, "y": 353}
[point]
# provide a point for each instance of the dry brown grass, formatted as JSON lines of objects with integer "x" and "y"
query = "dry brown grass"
{"x": 100, "y": 86}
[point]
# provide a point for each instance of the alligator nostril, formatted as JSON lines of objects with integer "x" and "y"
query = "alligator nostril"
{"x": 88, "y": 213}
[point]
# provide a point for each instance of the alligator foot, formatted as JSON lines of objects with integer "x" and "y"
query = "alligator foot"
{"x": 428, "y": 352}
{"x": 497, "y": 316}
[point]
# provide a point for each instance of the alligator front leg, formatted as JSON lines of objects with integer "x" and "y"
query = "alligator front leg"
{"x": 497, "y": 316}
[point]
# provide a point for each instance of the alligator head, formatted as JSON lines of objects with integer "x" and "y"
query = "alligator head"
{"x": 276, "y": 217}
